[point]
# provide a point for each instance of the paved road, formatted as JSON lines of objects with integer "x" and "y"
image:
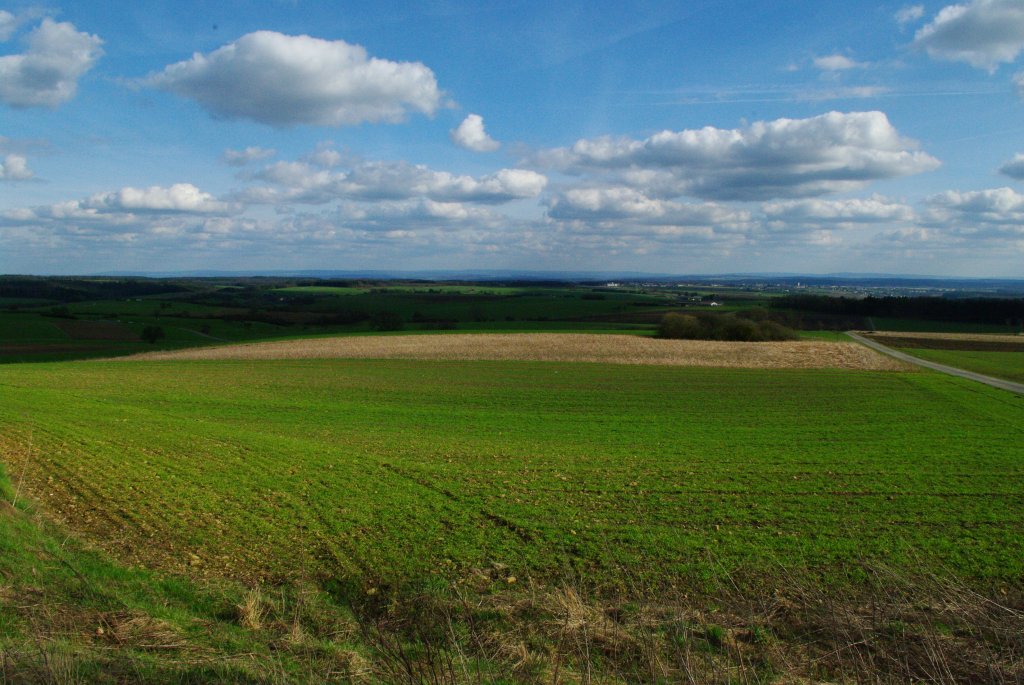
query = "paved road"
{"x": 951, "y": 370}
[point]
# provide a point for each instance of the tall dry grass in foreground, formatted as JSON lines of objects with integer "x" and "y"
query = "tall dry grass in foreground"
{"x": 563, "y": 347}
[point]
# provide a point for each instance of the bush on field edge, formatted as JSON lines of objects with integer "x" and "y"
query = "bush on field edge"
{"x": 708, "y": 326}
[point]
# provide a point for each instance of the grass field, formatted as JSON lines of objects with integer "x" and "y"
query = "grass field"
{"x": 326, "y": 520}
{"x": 1008, "y": 365}
{"x": 340, "y": 468}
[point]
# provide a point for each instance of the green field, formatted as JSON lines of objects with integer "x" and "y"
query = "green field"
{"x": 1008, "y": 365}
{"x": 341, "y": 468}
{"x": 361, "y": 521}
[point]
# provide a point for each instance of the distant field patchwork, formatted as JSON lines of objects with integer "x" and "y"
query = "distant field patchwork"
{"x": 575, "y": 347}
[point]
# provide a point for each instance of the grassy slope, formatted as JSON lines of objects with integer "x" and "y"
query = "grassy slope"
{"x": 660, "y": 475}
{"x": 69, "y": 614}
{"x": 1008, "y": 365}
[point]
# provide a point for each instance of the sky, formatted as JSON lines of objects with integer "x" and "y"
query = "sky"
{"x": 687, "y": 137}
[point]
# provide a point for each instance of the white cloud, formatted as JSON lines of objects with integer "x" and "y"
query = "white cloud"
{"x": 326, "y": 157}
{"x": 838, "y": 212}
{"x": 306, "y": 183}
{"x": 246, "y": 156}
{"x": 837, "y": 63}
{"x": 784, "y": 158}
{"x": 1018, "y": 80}
{"x": 996, "y": 213}
{"x": 47, "y": 73}
{"x": 909, "y": 14}
{"x": 616, "y": 203}
{"x": 982, "y": 33}
{"x": 180, "y": 197}
{"x": 471, "y": 135}
{"x": 416, "y": 212}
{"x": 125, "y": 207}
{"x": 1014, "y": 168}
{"x": 286, "y": 80}
{"x": 15, "y": 168}
{"x": 8, "y": 23}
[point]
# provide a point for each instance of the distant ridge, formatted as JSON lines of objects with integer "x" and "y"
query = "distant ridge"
{"x": 513, "y": 274}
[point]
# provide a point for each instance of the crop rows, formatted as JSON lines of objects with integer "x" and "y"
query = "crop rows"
{"x": 375, "y": 471}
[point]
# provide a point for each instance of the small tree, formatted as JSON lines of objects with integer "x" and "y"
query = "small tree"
{"x": 680, "y": 326}
{"x": 152, "y": 333}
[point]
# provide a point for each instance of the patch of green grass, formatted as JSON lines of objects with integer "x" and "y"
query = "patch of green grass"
{"x": 268, "y": 469}
{"x": 1008, "y": 365}
{"x": 320, "y": 290}
{"x": 829, "y": 336}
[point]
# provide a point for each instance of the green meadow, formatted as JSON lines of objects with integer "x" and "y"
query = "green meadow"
{"x": 1008, "y": 365}
{"x": 401, "y": 471}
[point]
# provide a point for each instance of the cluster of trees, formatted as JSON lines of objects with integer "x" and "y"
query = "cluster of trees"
{"x": 70, "y": 289}
{"x": 973, "y": 310}
{"x": 745, "y": 326}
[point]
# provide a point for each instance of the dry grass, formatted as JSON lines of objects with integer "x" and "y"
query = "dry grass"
{"x": 566, "y": 347}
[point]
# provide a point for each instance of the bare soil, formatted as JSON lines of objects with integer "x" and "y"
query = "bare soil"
{"x": 978, "y": 342}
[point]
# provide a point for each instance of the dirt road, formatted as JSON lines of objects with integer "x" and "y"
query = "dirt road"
{"x": 951, "y": 370}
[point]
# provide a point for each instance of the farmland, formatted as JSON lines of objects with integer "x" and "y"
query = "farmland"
{"x": 1001, "y": 356}
{"x": 536, "y": 466}
{"x": 618, "y": 349}
{"x": 310, "y": 510}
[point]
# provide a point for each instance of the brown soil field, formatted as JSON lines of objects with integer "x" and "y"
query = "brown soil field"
{"x": 95, "y": 330}
{"x": 569, "y": 347}
{"x": 979, "y": 342}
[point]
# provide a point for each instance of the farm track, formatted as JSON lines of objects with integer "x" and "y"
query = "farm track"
{"x": 942, "y": 368}
{"x": 564, "y": 347}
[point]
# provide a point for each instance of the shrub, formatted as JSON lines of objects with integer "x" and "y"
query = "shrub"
{"x": 152, "y": 333}
{"x": 680, "y": 326}
{"x": 708, "y": 326}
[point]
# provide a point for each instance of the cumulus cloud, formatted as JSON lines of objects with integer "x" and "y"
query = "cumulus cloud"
{"x": 125, "y": 207}
{"x": 286, "y": 80}
{"x": 836, "y": 212}
{"x": 616, "y": 203}
{"x": 784, "y": 158}
{"x": 996, "y": 213}
{"x": 15, "y": 168}
{"x": 909, "y": 14}
{"x": 837, "y": 63}
{"x": 180, "y": 197}
{"x": 982, "y": 33}
{"x": 47, "y": 73}
{"x": 411, "y": 213}
{"x": 376, "y": 180}
{"x": 471, "y": 135}
{"x": 1014, "y": 168}
{"x": 246, "y": 156}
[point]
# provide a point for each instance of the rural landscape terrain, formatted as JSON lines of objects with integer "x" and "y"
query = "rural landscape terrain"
{"x": 286, "y": 480}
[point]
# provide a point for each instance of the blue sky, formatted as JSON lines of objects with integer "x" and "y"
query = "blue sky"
{"x": 685, "y": 137}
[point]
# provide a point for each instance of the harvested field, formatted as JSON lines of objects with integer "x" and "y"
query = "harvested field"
{"x": 950, "y": 341}
{"x": 564, "y": 347}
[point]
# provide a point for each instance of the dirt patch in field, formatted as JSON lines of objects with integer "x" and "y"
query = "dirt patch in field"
{"x": 977, "y": 342}
{"x": 570, "y": 347}
{"x": 95, "y": 330}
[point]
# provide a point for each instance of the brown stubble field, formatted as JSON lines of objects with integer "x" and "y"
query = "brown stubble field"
{"x": 561, "y": 347}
